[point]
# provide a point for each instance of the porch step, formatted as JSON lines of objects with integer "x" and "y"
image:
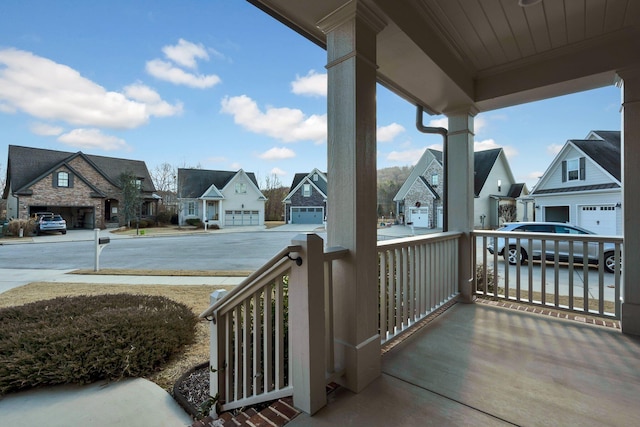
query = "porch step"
{"x": 277, "y": 414}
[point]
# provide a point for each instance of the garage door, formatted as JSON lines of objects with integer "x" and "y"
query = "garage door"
{"x": 600, "y": 219}
{"x": 312, "y": 215}
{"x": 419, "y": 217}
{"x": 241, "y": 218}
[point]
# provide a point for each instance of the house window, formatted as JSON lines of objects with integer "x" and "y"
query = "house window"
{"x": 435, "y": 179}
{"x": 137, "y": 183}
{"x": 241, "y": 188}
{"x": 573, "y": 170}
{"x": 63, "y": 179}
{"x": 315, "y": 177}
{"x": 191, "y": 208}
{"x": 306, "y": 190}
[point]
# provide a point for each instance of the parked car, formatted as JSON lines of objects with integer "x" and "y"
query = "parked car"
{"x": 51, "y": 222}
{"x": 507, "y": 247}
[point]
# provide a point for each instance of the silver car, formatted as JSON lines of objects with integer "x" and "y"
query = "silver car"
{"x": 507, "y": 247}
{"x": 51, "y": 223}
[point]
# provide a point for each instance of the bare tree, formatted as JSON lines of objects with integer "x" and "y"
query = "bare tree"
{"x": 164, "y": 177}
{"x": 275, "y": 192}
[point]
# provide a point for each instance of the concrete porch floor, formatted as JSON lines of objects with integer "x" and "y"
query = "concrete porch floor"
{"x": 478, "y": 364}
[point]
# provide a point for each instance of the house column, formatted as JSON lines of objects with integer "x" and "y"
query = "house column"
{"x": 351, "y": 206}
{"x": 460, "y": 171}
{"x": 630, "y": 135}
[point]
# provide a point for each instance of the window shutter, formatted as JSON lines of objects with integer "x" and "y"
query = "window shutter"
{"x": 54, "y": 182}
{"x": 564, "y": 171}
{"x": 70, "y": 180}
{"x": 582, "y": 169}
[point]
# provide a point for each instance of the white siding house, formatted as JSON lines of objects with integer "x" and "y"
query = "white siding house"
{"x": 220, "y": 198}
{"x": 582, "y": 185}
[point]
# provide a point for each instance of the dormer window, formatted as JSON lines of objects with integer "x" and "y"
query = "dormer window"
{"x": 315, "y": 177}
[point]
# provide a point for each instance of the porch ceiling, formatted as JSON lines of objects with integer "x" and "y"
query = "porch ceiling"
{"x": 446, "y": 54}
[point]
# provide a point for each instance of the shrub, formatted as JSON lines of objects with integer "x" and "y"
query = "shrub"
{"x": 28, "y": 226}
{"x": 195, "y": 222}
{"x": 490, "y": 279}
{"x": 174, "y": 219}
{"x": 89, "y": 338}
{"x": 163, "y": 218}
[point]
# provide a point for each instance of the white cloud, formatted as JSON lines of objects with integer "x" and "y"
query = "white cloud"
{"x": 278, "y": 172}
{"x": 278, "y": 154}
{"x": 155, "y": 105}
{"x": 479, "y": 123}
{"x": 45, "y": 129}
{"x": 389, "y": 132}
{"x": 166, "y": 71}
{"x": 47, "y": 90}
{"x": 285, "y": 124}
{"x": 554, "y": 149}
{"x": 185, "y": 53}
{"x": 439, "y": 123}
{"x": 236, "y": 166}
{"x": 490, "y": 144}
{"x": 92, "y": 139}
{"x": 410, "y": 157}
{"x": 487, "y": 144}
{"x": 313, "y": 84}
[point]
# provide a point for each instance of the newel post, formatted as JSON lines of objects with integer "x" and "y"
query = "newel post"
{"x": 306, "y": 324}
{"x": 216, "y": 354}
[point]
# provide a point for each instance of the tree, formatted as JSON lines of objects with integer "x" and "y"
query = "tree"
{"x": 275, "y": 192}
{"x": 164, "y": 177}
{"x": 131, "y": 196}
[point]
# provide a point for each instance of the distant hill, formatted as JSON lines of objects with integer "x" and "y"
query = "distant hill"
{"x": 389, "y": 182}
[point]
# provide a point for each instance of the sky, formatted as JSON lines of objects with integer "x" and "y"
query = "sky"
{"x": 220, "y": 85}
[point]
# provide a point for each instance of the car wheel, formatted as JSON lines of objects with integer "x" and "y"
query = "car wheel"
{"x": 64, "y": 231}
{"x": 512, "y": 256}
{"x": 609, "y": 262}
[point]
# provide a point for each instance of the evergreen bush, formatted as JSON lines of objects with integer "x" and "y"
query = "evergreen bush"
{"x": 84, "y": 339}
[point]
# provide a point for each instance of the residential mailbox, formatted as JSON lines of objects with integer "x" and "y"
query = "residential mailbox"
{"x": 104, "y": 240}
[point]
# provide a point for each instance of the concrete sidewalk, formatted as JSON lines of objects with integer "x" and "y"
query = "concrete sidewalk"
{"x": 132, "y": 402}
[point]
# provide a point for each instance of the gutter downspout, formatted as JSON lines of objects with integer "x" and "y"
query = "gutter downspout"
{"x": 445, "y": 139}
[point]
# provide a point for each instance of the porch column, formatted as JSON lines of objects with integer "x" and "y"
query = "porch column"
{"x": 630, "y": 134}
{"x": 351, "y": 207}
{"x": 460, "y": 167}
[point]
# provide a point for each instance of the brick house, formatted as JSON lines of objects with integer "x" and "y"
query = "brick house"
{"x": 84, "y": 189}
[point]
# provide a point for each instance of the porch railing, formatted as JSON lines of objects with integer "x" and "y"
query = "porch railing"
{"x": 286, "y": 308}
{"x": 559, "y": 279}
{"x": 252, "y": 336}
{"x": 416, "y": 276}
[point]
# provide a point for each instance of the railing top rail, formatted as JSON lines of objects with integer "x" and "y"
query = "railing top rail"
{"x": 335, "y": 252}
{"x": 549, "y": 236}
{"x": 266, "y": 268}
{"x": 431, "y": 238}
